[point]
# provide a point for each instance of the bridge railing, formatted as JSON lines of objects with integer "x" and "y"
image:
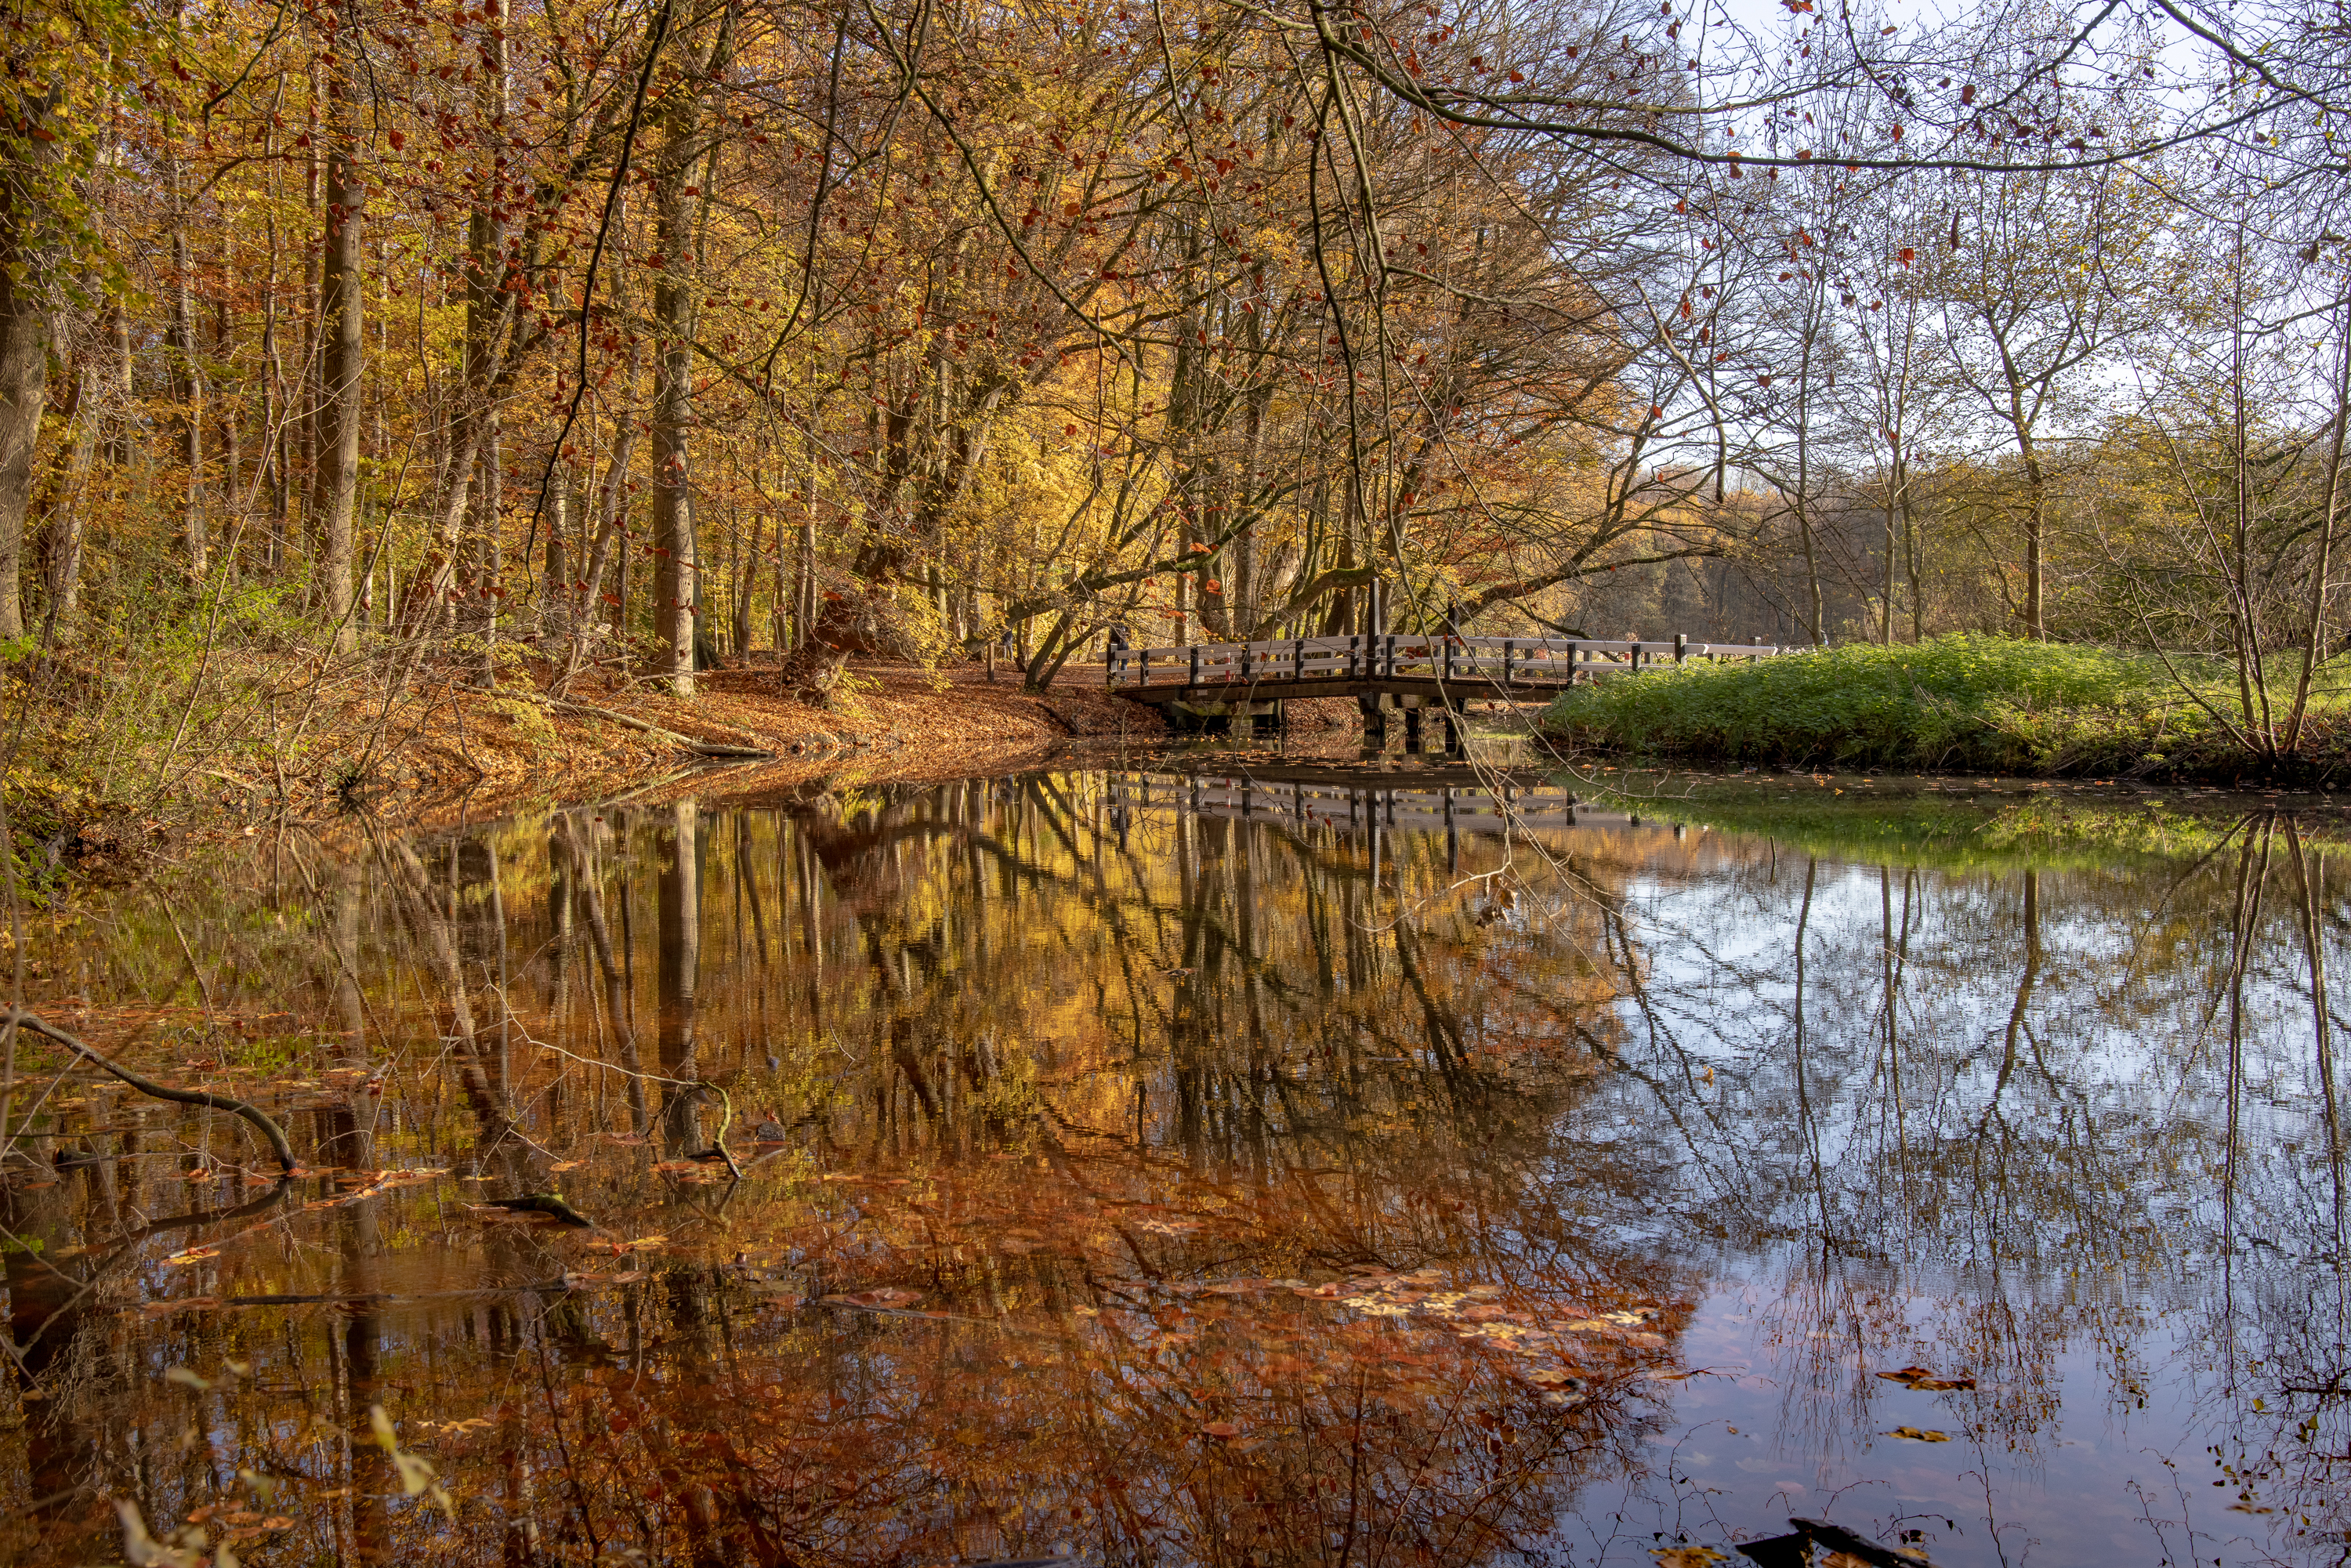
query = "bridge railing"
{"x": 1349, "y": 805}
{"x": 1505, "y": 662}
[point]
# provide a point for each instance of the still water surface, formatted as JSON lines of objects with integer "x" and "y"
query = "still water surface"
{"x": 1141, "y": 1167}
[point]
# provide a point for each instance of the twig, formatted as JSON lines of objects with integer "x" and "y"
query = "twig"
{"x": 19, "y": 1018}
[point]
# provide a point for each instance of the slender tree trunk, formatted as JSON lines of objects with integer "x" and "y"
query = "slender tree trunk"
{"x": 2314, "y": 628}
{"x": 554, "y": 593}
{"x": 609, "y": 553}
{"x": 1911, "y": 562}
{"x": 742, "y": 582}
{"x": 1893, "y": 495}
{"x": 488, "y": 549}
{"x": 24, "y": 348}
{"x": 187, "y": 397}
{"x": 2036, "y": 513}
{"x": 1803, "y": 498}
{"x": 675, "y": 577}
{"x": 63, "y": 541}
{"x": 804, "y": 586}
{"x": 343, "y": 312}
{"x": 24, "y": 386}
{"x": 232, "y": 437}
{"x": 485, "y": 276}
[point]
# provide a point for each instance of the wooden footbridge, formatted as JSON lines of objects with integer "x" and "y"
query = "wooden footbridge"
{"x": 1416, "y": 671}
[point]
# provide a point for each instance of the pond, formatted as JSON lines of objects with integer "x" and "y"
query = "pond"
{"x": 1151, "y": 1166}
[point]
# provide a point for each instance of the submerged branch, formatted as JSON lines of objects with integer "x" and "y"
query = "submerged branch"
{"x": 260, "y": 1119}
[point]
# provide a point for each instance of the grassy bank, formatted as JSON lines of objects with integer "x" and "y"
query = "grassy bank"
{"x": 1974, "y": 703}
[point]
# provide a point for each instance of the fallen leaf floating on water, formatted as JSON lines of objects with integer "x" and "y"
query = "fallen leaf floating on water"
{"x": 1916, "y": 1435}
{"x": 586, "y": 1281}
{"x": 1685, "y": 1556}
{"x": 1922, "y": 1377}
{"x": 1220, "y": 1429}
{"x": 193, "y": 1254}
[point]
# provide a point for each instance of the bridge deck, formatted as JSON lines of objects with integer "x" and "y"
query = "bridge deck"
{"x": 1349, "y": 803}
{"x": 1434, "y": 668}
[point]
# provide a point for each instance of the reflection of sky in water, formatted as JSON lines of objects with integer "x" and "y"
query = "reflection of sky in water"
{"x": 1157, "y": 1183}
{"x": 2053, "y": 1223}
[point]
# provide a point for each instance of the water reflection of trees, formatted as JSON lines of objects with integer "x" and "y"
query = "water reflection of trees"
{"x": 1095, "y": 1082}
{"x": 1982, "y": 1122}
{"x": 1101, "y": 1085}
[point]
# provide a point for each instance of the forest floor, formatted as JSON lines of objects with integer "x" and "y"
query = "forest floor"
{"x": 447, "y": 750}
{"x": 476, "y": 754}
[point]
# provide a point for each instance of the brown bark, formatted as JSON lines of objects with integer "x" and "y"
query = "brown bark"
{"x": 24, "y": 347}
{"x": 343, "y": 311}
{"x": 676, "y": 576}
{"x": 187, "y": 382}
{"x": 62, "y": 539}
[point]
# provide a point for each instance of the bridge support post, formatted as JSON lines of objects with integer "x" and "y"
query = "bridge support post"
{"x": 1375, "y": 721}
{"x": 1412, "y": 728}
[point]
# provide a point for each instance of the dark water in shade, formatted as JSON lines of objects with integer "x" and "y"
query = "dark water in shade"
{"x": 1169, "y": 1173}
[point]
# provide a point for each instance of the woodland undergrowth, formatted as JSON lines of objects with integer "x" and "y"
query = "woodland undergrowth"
{"x": 142, "y": 732}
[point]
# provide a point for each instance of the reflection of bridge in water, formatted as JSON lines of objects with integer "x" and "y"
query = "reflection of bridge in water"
{"x": 1414, "y": 672}
{"x": 1450, "y": 800}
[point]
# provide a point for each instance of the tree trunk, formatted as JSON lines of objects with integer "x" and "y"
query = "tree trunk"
{"x": 232, "y": 435}
{"x": 1893, "y": 509}
{"x": 608, "y": 552}
{"x": 556, "y": 587}
{"x": 24, "y": 387}
{"x": 343, "y": 310}
{"x": 188, "y": 402}
{"x": 1803, "y": 485}
{"x": 675, "y": 578}
{"x": 742, "y": 582}
{"x": 485, "y": 274}
{"x": 24, "y": 350}
{"x": 62, "y": 542}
